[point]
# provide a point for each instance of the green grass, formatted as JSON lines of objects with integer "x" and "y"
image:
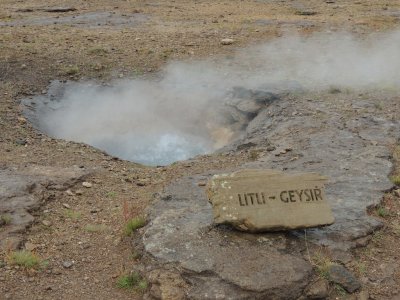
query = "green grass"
{"x": 134, "y": 224}
{"x": 69, "y": 213}
{"x": 5, "y": 219}
{"x": 382, "y": 212}
{"x": 322, "y": 264}
{"x": 98, "y": 51}
{"x": 111, "y": 195}
{"x": 132, "y": 281}
{"x": 25, "y": 259}
{"x": 71, "y": 70}
{"x": 95, "y": 227}
{"x": 395, "y": 179}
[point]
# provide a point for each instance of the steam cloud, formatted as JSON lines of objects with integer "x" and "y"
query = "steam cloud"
{"x": 176, "y": 117}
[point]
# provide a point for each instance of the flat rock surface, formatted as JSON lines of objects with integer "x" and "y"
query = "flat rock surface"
{"x": 23, "y": 190}
{"x": 308, "y": 135}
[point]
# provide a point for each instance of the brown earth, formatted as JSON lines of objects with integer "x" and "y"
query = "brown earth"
{"x": 33, "y": 53}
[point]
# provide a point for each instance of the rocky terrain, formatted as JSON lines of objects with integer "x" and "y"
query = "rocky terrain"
{"x": 67, "y": 203}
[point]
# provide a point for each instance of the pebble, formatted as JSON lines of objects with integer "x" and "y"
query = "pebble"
{"x": 69, "y": 193}
{"x": 67, "y": 264}
{"x": 66, "y": 205}
{"x": 21, "y": 142}
{"x": 46, "y": 223}
{"x": 87, "y": 184}
{"x": 79, "y": 192}
{"x": 227, "y": 41}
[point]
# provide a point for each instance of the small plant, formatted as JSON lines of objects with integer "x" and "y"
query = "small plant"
{"x": 5, "y": 220}
{"x": 95, "y": 227}
{"x": 254, "y": 154}
{"x": 69, "y": 213}
{"x": 111, "y": 195}
{"x": 132, "y": 281}
{"x": 361, "y": 268}
{"x": 382, "y": 211}
{"x": 71, "y": 70}
{"x": 334, "y": 90}
{"x": 340, "y": 290}
{"x": 321, "y": 263}
{"x": 395, "y": 179}
{"x": 98, "y": 51}
{"x": 378, "y": 105}
{"x": 24, "y": 259}
{"x": 134, "y": 224}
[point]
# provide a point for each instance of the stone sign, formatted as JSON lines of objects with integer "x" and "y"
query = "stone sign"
{"x": 263, "y": 200}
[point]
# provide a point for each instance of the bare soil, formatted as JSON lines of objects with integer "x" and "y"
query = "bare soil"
{"x": 34, "y": 51}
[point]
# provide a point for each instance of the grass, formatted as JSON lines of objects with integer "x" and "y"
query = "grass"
{"x": 361, "y": 268}
{"x": 382, "y": 212}
{"x": 133, "y": 224}
{"x": 75, "y": 215}
{"x": 26, "y": 259}
{"x": 95, "y": 227}
{"x": 322, "y": 264}
{"x": 395, "y": 179}
{"x": 98, "y": 51}
{"x": 111, "y": 195}
{"x": 132, "y": 281}
{"x": 5, "y": 219}
{"x": 71, "y": 70}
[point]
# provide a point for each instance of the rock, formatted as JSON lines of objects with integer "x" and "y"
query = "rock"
{"x": 265, "y": 200}
{"x": 22, "y": 120}
{"x": 227, "y": 41}
{"x": 67, "y": 264}
{"x": 363, "y": 295}
{"x": 87, "y": 184}
{"x": 46, "y": 223}
{"x": 30, "y": 246}
{"x": 66, "y": 205}
{"x": 318, "y": 290}
{"x": 79, "y": 192}
{"x": 167, "y": 285}
{"x": 215, "y": 261}
{"x": 340, "y": 275}
{"x": 21, "y": 142}
{"x": 69, "y": 192}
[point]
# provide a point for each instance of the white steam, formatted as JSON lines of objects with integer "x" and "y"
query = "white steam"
{"x": 176, "y": 117}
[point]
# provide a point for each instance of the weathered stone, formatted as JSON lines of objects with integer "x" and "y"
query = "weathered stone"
{"x": 261, "y": 200}
{"x": 215, "y": 261}
{"x": 340, "y": 275}
{"x": 318, "y": 290}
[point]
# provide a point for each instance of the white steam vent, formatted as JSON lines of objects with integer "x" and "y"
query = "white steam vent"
{"x": 178, "y": 116}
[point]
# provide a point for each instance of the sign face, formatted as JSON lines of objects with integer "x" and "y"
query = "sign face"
{"x": 268, "y": 200}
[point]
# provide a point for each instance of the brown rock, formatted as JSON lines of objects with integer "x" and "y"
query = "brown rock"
{"x": 318, "y": 290}
{"x": 261, "y": 200}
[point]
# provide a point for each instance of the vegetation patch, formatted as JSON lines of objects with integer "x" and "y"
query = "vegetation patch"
{"x": 71, "y": 214}
{"x": 95, "y": 227}
{"x": 132, "y": 281}
{"x": 134, "y": 224}
{"x": 5, "y": 220}
{"x": 25, "y": 259}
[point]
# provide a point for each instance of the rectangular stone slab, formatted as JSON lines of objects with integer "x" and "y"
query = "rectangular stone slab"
{"x": 269, "y": 200}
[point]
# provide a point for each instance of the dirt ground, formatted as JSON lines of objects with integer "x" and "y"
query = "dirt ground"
{"x": 136, "y": 39}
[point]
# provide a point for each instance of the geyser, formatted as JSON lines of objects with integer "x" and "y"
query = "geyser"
{"x": 193, "y": 108}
